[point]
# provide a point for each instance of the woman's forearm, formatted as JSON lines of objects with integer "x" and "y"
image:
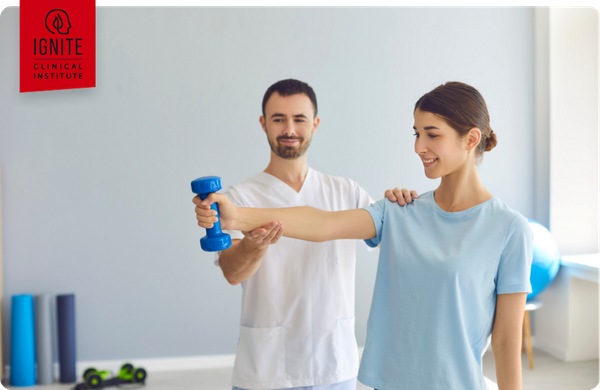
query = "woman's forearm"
{"x": 507, "y": 357}
{"x": 304, "y": 223}
{"x": 311, "y": 224}
{"x": 507, "y": 336}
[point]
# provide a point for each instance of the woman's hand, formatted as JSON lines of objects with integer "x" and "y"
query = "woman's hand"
{"x": 402, "y": 196}
{"x": 206, "y": 216}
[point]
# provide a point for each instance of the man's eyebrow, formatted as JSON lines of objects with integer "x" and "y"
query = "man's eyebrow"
{"x": 427, "y": 128}
{"x": 278, "y": 115}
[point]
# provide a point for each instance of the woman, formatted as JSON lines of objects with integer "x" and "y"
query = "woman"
{"x": 454, "y": 264}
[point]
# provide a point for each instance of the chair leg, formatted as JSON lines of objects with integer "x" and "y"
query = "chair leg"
{"x": 528, "y": 334}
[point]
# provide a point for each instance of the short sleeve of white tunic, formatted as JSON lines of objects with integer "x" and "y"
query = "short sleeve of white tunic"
{"x": 434, "y": 300}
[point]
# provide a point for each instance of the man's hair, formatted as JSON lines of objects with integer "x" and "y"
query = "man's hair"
{"x": 290, "y": 87}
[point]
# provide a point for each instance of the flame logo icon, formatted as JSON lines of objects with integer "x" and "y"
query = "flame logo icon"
{"x": 57, "y": 21}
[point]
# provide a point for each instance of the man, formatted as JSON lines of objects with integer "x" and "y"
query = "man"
{"x": 297, "y": 323}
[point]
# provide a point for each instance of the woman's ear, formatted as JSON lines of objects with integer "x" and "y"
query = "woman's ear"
{"x": 473, "y": 139}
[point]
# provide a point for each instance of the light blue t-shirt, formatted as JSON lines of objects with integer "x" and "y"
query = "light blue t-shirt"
{"x": 435, "y": 294}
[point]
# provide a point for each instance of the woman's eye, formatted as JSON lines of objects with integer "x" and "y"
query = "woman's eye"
{"x": 416, "y": 135}
{"x": 432, "y": 136}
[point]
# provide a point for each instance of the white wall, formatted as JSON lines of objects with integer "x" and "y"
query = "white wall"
{"x": 573, "y": 40}
{"x": 567, "y": 175}
{"x": 96, "y": 182}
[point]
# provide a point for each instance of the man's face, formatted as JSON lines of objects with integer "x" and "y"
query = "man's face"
{"x": 289, "y": 123}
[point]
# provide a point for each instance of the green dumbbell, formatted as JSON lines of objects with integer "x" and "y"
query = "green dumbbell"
{"x": 130, "y": 374}
{"x": 94, "y": 379}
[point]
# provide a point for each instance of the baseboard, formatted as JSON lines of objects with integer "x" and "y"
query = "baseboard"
{"x": 154, "y": 365}
{"x": 550, "y": 348}
{"x": 205, "y": 362}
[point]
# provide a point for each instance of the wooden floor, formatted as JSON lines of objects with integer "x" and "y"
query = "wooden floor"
{"x": 549, "y": 374}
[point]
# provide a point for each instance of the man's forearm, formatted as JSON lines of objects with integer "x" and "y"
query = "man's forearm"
{"x": 240, "y": 261}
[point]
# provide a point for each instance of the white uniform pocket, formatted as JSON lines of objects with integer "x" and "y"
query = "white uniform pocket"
{"x": 347, "y": 348}
{"x": 260, "y": 355}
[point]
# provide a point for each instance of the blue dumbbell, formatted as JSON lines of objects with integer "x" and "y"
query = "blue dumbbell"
{"x": 215, "y": 240}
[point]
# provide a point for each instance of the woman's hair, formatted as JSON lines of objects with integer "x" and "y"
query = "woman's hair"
{"x": 463, "y": 108}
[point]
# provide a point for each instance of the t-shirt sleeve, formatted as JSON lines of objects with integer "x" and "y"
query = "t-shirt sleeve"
{"x": 235, "y": 198}
{"x": 377, "y": 211}
{"x": 364, "y": 200}
{"x": 515, "y": 261}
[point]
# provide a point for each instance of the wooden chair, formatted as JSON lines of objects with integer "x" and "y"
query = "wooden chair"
{"x": 531, "y": 305}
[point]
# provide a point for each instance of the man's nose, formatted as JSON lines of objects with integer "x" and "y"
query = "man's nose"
{"x": 290, "y": 128}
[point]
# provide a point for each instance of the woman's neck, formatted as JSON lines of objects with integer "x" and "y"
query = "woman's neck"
{"x": 461, "y": 190}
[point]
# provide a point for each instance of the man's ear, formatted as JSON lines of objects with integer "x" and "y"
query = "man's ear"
{"x": 316, "y": 122}
{"x": 262, "y": 123}
{"x": 473, "y": 139}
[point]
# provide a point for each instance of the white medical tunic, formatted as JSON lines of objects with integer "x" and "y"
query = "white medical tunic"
{"x": 297, "y": 323}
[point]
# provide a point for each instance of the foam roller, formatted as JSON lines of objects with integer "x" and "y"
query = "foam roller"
{"x": 22, "y": 356}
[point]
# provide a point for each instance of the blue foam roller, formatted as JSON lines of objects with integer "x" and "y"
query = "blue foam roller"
{"x": 65, "y": 313}
{"x": 22, "y": 356}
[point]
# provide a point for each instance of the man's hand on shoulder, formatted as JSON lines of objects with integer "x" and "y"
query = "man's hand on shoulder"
{"x": 402, "y": 196}
{"x": 263, "y": 237}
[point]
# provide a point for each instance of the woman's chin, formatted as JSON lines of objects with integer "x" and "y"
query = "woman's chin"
{"x": 431, "y": 175}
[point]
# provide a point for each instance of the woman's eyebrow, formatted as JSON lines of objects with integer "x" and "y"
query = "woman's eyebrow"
{"x": 428, "y": 128}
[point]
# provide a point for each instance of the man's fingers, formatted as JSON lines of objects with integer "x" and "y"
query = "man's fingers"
{"x": 273, "y": 232}
{"x": 400, "y": 196}
{"x": 278, "y": 235}
{"x": 414, "y": 194}
{"x": 390, "y": 195}
{"x": 407, "y": 196}
{"x": 256, "y": 233}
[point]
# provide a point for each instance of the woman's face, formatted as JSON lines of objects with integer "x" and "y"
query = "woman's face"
{"x": 438, "y": 145}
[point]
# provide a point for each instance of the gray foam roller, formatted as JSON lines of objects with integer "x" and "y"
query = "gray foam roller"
{"x": 43, "y": 338}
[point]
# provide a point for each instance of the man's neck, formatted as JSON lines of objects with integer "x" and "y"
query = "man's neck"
{"x": 291, "y": 172}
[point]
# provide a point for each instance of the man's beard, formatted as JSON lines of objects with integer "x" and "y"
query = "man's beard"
{"x": 288, "y": 152}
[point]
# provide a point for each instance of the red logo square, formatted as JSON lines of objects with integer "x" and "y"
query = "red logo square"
{"x": 58, "y": 44}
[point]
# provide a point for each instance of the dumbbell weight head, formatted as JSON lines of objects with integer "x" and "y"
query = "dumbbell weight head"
{"x": 215, "y": 240}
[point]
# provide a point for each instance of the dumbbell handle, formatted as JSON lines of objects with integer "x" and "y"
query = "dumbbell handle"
{"x": 215, "y": 240}
{"x": 216, "y": 229}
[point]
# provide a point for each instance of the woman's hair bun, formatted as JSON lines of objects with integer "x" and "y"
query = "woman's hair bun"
{"x": 490, "y": 142}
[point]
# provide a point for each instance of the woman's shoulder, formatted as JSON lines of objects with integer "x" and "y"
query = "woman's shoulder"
{"x": 504, "y": 214}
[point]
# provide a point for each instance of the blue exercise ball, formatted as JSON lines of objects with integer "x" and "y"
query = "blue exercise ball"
{"x": 546, "y": 259}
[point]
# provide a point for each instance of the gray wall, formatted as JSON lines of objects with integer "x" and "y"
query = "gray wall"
{"x": 96, "y": 182}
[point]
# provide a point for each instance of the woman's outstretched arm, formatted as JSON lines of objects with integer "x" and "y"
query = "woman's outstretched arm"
{"x": 304, "y": 223}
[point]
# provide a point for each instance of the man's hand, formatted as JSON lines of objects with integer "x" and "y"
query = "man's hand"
{"x": 402, "y": 196}
{"x": 207, "y": 216}
{"x": 263, "y": 237}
